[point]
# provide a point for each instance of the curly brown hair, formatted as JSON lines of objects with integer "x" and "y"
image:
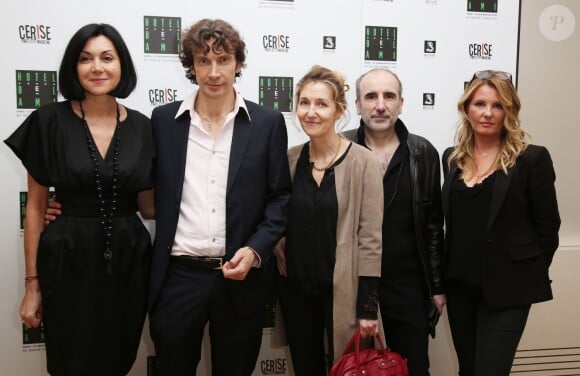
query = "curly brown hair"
{"x": 226, "y": 39}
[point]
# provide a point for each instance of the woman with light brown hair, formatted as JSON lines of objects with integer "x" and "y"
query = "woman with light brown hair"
{"x": 502, "y": 224}
{"x": 330, "y": 262}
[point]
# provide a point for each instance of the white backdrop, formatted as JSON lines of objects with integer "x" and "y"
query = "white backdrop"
{"x": 433, "y": 45}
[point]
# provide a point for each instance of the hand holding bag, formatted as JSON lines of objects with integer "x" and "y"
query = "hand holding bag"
{"x": 369, "y": 362}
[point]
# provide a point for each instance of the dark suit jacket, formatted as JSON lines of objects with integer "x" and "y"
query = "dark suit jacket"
{"x": 258, "y": 192}
{"x": 522, "y": 231}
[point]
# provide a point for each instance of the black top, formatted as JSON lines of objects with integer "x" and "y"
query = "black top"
{"x": 400, "y": 254}
{"x": 469, "y": 214}
{"x": 108, "y": 298}
{"x": 311, "y": 235}
{"x": 52, "y": 145}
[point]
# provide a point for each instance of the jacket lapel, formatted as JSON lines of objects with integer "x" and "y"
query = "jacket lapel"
{"x": 240, "y": 139}
{"x": 500, "y": 187}
{"x": 180, "y": 137}
{"x": 445, "y": 190}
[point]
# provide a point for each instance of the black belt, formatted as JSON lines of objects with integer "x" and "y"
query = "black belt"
{"x": 199, "y": 261}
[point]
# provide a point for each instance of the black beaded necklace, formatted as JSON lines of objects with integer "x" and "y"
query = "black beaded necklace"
{"x": 106, "y": 218}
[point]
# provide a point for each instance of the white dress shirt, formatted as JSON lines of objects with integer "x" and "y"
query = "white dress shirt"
{"x": 201, "y": 227}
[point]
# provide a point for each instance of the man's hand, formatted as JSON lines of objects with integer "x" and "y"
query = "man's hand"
{"x": 239, "y": 266}
{"x": 440, "y": 300}
{"x": 52, "y": 211}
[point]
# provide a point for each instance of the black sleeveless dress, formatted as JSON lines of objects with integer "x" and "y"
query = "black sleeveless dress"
{"x": 93, "y": 308}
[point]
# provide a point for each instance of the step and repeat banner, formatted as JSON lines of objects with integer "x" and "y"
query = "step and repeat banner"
{"x": 433, "y": 45}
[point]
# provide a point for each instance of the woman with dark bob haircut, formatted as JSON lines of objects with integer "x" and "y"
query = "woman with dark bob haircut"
{"x": 86, "y": 273}
{"x": 68, "y": 80}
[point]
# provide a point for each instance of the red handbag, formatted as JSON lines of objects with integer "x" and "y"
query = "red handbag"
{"x": 369, "y": 362}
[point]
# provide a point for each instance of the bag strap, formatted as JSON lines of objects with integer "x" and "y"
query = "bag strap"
{"x": 356, "y": 338}
{"x": 351, "y": 343}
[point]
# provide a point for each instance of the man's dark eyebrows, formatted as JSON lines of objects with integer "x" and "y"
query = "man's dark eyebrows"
{"x": 376, "y": 93}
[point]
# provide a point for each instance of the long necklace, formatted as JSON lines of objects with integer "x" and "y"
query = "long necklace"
{"x": 106, "y": 217}
{"x": 331, "y": 161}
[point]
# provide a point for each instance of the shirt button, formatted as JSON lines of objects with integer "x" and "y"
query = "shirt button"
{"x": 212, "y": 181}
{"x": 213, "y": 210}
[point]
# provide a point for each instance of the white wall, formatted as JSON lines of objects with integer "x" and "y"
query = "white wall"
{"x": 548, "y": 85}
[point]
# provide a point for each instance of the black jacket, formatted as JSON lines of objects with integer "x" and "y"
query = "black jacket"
{"x": 426, "y": 182}
{"x": 522, "y": 230}
{"x": 257, "y": 196}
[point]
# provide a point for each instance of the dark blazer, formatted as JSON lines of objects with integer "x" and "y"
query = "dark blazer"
{"x": 258, "y": 192}
{"x": 522, "y": 231}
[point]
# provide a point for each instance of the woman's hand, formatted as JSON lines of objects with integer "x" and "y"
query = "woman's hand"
{"x": 31, "y": 307}
{"x": 368, "y": 328}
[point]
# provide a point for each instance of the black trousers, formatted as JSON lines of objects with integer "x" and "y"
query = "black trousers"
{"x": 404, "y": 307}
{"x": 308, "y": 322}
{"x": 485, "y": 338}
{"x": 189, "y": 299}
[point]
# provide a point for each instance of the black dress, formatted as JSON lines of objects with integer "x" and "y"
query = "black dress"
{"x": 93, "y": 309}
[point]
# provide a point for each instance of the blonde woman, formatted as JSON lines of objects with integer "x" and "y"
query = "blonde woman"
{"x": 331, "y": 262}
{"x": 502, "y": 226}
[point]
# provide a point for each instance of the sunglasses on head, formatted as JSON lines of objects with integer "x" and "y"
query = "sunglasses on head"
{"x": 487, "y": 74}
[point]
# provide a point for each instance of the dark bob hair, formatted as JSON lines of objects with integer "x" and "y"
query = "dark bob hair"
{"x": 226, "y": 39}
{"x": 68, "y": 80}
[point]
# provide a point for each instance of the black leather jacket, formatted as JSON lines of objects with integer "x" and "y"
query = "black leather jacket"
{"x": 426, "y": 181}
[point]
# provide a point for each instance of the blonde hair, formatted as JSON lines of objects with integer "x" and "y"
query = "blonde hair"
{"x": 333, "y": 79}
{"x": 513, "y": 139}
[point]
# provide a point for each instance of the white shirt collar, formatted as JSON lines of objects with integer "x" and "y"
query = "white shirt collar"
{"x": 187, "y": 105}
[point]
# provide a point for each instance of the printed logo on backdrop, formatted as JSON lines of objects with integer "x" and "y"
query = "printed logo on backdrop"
{"x": 431, "y": 2}
{"x": 482, "y": 6}
{"x": 276, "y": 4}
{"x": 276, "y": 43}
{"x": 35, "y": 88}
{"x": 428, "y": 101}
{"x": 269, "y": 314}
{"x": 162, "y": 96}
{"x": 380, "y": 44}
{"x": 430, "y": 48}
{"x": 274, "y": 366}
{"x": 482, "y": 9}
{"x": 39, "y": 34}
{"x": 483, "y": 51}
{"x": 23, "y": 198}
{"x": 276, "y": 92}
{"x": 329, "y": 43}
{"x": 33, "y": 338}
{"x": 162, "y": 37}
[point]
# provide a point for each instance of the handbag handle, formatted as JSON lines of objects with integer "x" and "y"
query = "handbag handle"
{"x": 356, "y": 339}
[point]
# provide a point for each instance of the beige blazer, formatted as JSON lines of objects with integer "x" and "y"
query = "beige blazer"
{"x": 359, "y": 190}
